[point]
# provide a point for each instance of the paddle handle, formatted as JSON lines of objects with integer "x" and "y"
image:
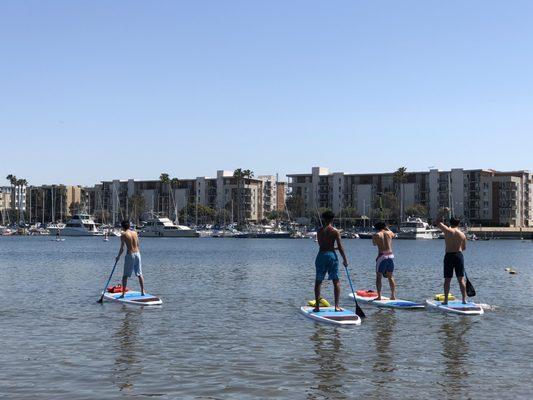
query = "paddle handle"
{"x": 109, "y": 280}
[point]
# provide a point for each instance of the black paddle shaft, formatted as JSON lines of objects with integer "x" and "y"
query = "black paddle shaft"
{"x": 358, "y": 309}
{"x": 109, "y": 280}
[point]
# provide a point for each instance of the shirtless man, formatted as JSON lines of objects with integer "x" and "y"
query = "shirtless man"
{"x": 132, "y": 259}
{"x": 326, "y": 260}
{"x": 385, "y": 259}
{"x": 453, "y": 260}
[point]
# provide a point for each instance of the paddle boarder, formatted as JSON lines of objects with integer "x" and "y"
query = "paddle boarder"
{"x": 327, "y": 260}
{"x": 455, "y": 241}
{"x": 132, "y": 259}
{"x": 385, "y": 259}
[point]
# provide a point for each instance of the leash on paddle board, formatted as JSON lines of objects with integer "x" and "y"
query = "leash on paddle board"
{"x": 109, "y": 280}
{"x": 358, "y": 309}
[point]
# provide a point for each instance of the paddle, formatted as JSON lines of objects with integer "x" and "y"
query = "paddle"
{"x": 470, "y": 291}
{"x": 109, "y": 280}
{"x": 358, "y": 309}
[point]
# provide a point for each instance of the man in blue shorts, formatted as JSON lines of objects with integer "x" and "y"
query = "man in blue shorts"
{"x": 132, "y": 259}
{"x": 455, "y": 242}
{"x": 385, "y": 259}
{"x": 326, "y": 261}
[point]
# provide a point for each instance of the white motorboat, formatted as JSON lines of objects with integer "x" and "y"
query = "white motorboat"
{"x": 5, "y": 231}
{"x": 164, "y": 227}
{"x": 52, "y": 227}
{"x": 225, "y": 233}
{"x": 78, "y": 225}
{"x": 416, "y": 228}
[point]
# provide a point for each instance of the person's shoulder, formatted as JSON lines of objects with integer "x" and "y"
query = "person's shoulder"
{"x": 334, "y": 231}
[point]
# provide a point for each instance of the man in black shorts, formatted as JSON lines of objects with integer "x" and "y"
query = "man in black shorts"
{"x": 453, "y": 260}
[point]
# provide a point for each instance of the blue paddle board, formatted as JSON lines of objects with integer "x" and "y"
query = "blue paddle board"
{"x": 455, "y": 307}
{"x": 134, "y": 298}
{"x": 328, "y": 315}
{"x": 385, "y": 302}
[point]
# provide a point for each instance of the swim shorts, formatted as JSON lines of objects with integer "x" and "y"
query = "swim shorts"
{"x": 385, "y": 263}
{"x": 132, "y": 263}
{"x": 327, "y": 262}
{"x": 454, "y": 262}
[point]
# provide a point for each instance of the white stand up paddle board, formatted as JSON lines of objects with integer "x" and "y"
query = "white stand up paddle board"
{"x": 455, "y": 307}
{"x": 370, "y": 296}
{"x": 134, "y": 298}
{"x": 328, "y": 315}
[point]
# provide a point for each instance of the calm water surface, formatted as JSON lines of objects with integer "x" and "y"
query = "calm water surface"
{"x": 230, "y": 327}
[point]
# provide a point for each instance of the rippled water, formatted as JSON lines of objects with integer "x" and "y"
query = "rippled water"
{"x": 230, "y": 327}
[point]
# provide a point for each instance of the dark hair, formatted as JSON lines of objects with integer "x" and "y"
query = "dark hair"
{"x": 125, "y": 225}
{"x": 328, "y": 216}
{"x": 454, "y": 222}
{"x": 380, "y": 225}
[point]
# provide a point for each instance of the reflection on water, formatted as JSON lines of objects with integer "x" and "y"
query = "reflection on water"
{"x": 128, "y": 347}
{"x": 455, "y": 353}
{"x": 329, "y": 371}
{"x": 385, "y": 322}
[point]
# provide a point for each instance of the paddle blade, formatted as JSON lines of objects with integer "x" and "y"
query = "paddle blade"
{"x": 470, "y": 291}
{"x": 359, "y": 311}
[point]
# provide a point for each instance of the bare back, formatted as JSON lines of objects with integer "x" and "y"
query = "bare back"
{"x": 326, "y": 238}
{"x": 383, "y": 241}
{"x": 455, "y": 239}
{"x": 131, "y": 240}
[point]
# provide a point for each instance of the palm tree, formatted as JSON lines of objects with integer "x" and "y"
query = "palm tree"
{"x": 165, "y": 180}
{"x": 399, "y": 178}
{"x": 20, "y": 184}
{"x": 241, "y": 175}
{"x": 174, "y": 183}
{"x": 12, "y": 182}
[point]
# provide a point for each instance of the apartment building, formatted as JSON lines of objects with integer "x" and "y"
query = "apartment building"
{"x": 246, "y": 199}
{"x": 55, "y": 203}
{"x": 5, "y": 198}
{"x": 479, "y": 196}
{"x": 281, "y": 194}
{"x": 13, "y": 197}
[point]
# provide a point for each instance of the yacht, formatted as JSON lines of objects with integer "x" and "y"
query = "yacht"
{"x": 416, "y": 228}
{"x": 78, "y": 225}
{"x": 164, "y": 227}
{"x": 263, "y": 232}
{"x": 5, "y": 231}
{"x": 52, "y": 227}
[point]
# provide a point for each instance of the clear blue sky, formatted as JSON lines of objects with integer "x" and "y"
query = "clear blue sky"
{"x": 94, "y": 90}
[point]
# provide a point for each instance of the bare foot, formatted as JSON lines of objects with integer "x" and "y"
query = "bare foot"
{"x": 393, "y": 297}
{"x": 316, "y": 309}
{"x": 339, "y": 309}
{"x": 378, "y": 298}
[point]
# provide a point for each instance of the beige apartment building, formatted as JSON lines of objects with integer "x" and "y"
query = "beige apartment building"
{"x": 481, "y": 196}
{"x": 250, "y": 199}
{"x": 54, "y": 203}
